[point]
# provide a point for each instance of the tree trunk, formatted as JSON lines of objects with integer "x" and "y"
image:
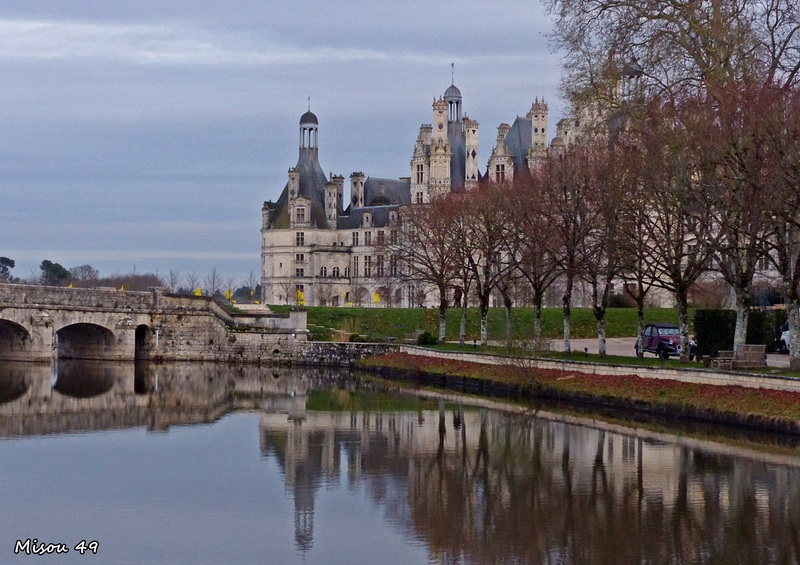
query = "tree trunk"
{"x": 566, "y": 299}
{"x": 537, "y": 318}
{"x": 442, "y": 318}
{"x": 484, "y": 322}
{"x": 792, "y": 305}
{"x": 601, "y": 336}
{"x": 462, "y": 329}
{"x": 682, "y": 300}
{"x": 743, "y": 300}
{"x": 640, "y": 324}
{"x": 509, "y": 330}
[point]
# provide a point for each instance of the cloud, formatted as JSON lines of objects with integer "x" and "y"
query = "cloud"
{"x": 181, "y": 44}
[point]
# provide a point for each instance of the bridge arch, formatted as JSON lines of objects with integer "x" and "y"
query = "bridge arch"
{"x": 145, "y": 342}
{"x": 15, "y": 341}
{"x": 85, "y": 341}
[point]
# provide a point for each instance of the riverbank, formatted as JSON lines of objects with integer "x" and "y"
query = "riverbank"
{"x": 759, "y": 408}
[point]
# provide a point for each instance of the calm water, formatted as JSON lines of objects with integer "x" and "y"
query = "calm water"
{"x": 208, "y": 464}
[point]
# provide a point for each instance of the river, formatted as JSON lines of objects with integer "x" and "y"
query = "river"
{"x": 188, "y": 463}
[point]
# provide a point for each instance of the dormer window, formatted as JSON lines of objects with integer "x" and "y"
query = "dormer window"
{"x": 367, "y": 219}
{"x": 301, "y": 215}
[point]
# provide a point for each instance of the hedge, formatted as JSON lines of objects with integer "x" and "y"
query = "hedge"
{"x": 714, "y": 328}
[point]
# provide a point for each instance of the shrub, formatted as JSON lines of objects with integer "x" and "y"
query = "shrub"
{"x": 714, "y": 328}
{"x": 425, "y": 338}
{"x": 355, "y": 338}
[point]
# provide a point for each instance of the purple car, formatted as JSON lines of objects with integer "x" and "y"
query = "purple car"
{"x": 662, "y": 339}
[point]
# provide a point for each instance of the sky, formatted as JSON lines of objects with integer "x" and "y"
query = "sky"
{"x": 145, "y": 136}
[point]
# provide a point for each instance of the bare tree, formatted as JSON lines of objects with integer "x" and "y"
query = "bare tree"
{"x": 173, "y": 280}
{"x": 536, "y": 264}
{"x": 565, "y": 182}
{"x": 213, "y": 282}
{"x": 679, "y": 220}
{"x": 192, "y": 281}
{"x": 424, "y": 243}
{"x": 84, "y": 274}
{"x": 481, "y": 235}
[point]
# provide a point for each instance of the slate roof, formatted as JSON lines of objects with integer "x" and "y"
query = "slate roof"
{"x": 354, "y": 218}
{"x": 312, "y": 186}
{"x": 398, "y": 191}
{"x": 458, "y": 154}
{"x": 518, "y": 141}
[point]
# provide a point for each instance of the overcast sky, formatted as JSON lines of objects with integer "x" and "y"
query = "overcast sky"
{"x": 146, "y": 134}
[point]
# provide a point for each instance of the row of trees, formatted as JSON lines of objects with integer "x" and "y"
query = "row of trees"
{"x": 695, "y": 169}
{"x": 692, "y": 184}
{"x": 86, "y": 276}
{"x": 721, "y": 109}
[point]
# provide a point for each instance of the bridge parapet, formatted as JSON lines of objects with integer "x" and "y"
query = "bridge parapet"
{"x": 36, "y": 322}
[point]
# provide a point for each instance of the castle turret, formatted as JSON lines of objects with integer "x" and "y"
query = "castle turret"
{"x": 294, "y": 182}
{"x": 338, "y": 181}
{"x": 357, "y": 189}
{"x": 538, "y": 117}
{"x": 501, "y": 165}
{"x": 265, "y": 215}
{"x": 331, "y": 203}
{"x": 440, "y": 155}
{"x": 471, "y": 137}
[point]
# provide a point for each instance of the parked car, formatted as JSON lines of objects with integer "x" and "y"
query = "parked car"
{"x": 664, "y": 340}
{"x": 783, "y": 341}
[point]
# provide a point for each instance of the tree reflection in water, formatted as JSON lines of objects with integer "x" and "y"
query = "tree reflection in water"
{"x": 503, "y": 488}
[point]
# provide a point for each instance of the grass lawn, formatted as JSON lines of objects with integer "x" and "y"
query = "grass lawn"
{"x": 380, "y": 323}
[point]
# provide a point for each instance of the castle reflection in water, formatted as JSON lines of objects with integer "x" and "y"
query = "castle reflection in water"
{"x": 489, "y": 484}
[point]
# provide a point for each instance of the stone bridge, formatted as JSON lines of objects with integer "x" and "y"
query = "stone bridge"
{"x": 38, "y": 323}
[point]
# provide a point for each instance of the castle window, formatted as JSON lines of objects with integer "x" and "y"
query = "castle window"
{"x": 380, "y": 237}
{"x": 500, "y": 173}
{"x": 367, "y": 220}
{"x": 299, "y": 272}
{"x": 347, "y": 272}
{"x": 336, "y": 271}
{"x": 323, "y": 272}
{"x": 355, "y": 266}
{"x": 393, "y": 237}
{"x": 301, "y": 215}
{"x": 300, "y": 238}
{"x": 392, "y": 217}
{"x": 420, "y": 174}
{"x": 368, "y": 238}
{"x": 379, "y": 266}
{"x": 355, "y": 239}
{"x": 368, "y": 266}
{"x": 393, "y": 265}
{"x": 419, "y": 198}
{"x": 299, "y": 257}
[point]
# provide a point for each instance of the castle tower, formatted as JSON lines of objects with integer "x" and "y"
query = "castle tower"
{"x": 501, "y": 165}
{"x": 294, "y": 183}
{"x": 357, "y": 189}
{"x": 471, "y": 137}
{"x": 338, "y": 181}
{"x": 538, "y": 117}
{"x": 440, "y": 154}
{"x": 420, "y": 169}
{"x": 331, "y": 203}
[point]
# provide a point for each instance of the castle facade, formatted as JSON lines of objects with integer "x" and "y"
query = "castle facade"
{"x": 319, "y": 249}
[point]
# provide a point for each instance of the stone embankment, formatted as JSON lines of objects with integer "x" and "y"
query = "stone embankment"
{"x": 703, "y": 394}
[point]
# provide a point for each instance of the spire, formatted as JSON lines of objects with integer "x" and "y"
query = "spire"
{"x": 452, "y": 74}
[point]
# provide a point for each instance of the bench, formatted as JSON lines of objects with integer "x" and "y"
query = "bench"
{"x": 723, "y": 360}
{"x": 750, "y": 357}
{"x": 745, "y": 357}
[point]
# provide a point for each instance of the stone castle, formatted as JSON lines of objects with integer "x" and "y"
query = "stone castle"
{"x": 317, "y": 249}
